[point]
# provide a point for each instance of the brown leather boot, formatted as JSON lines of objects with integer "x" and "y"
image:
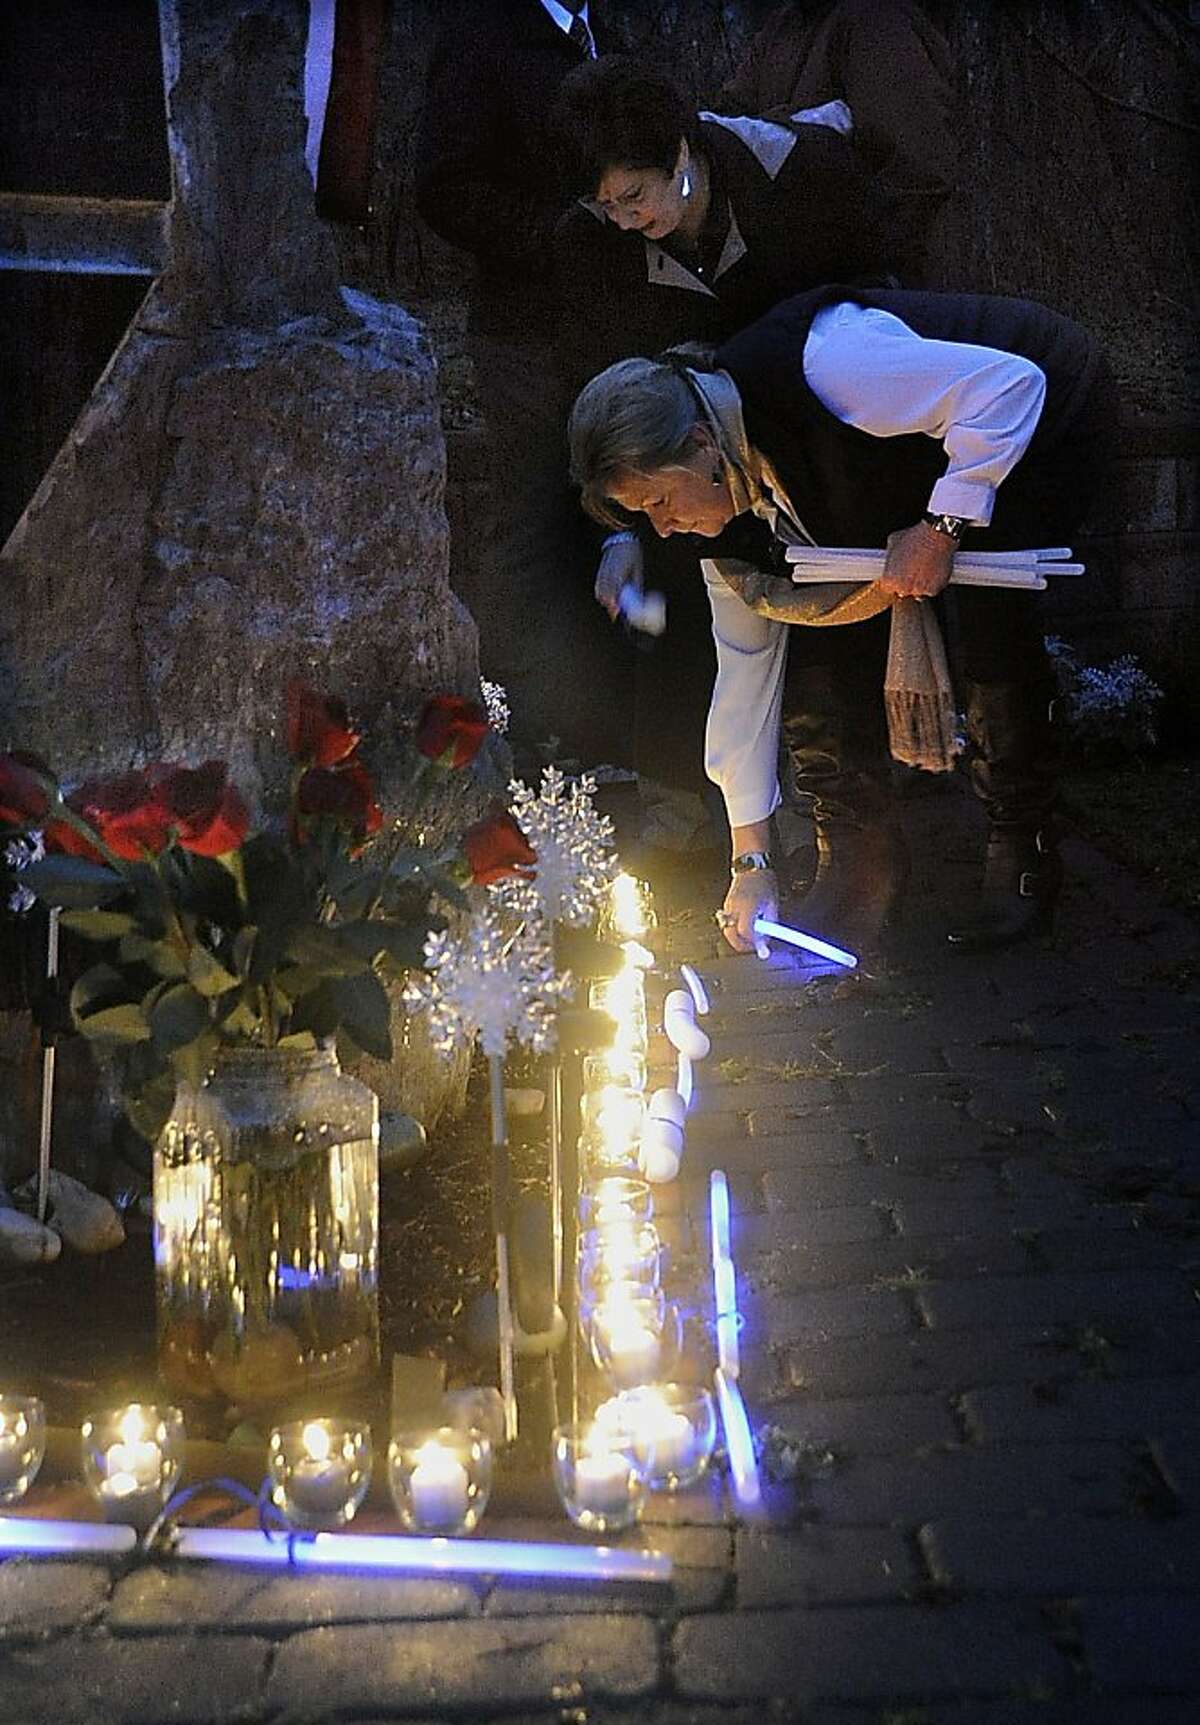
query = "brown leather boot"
{"x": 1015, "y": 774}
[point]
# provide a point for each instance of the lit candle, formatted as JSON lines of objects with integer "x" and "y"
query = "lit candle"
{"x": 627, "y": 907}
{"x": 22, "y": 1444}
{"x": 602, "y": 1483}
{"x": 318, "y": 1482}
{"x": 632, "y": 1348}
{"x": 662, "y": 1438}
{"x": 439, "y": 1487}
{"x": 132, "y": 1460}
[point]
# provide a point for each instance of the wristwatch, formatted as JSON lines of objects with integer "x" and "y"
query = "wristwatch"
{"x": 751, "y": 860}
{"x": 952, "y": 526}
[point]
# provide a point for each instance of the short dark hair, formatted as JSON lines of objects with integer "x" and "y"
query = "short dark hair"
{"x": 615, "y": 112}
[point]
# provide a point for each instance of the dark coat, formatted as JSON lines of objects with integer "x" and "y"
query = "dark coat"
{"x": 487, "y": 174}
{"x": 817, "y": 220}
{"x": 851, "y": 488}
{"x": 893, "y": 68}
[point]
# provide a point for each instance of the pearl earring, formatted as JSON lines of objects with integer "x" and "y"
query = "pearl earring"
{"x": 685, "y": 189}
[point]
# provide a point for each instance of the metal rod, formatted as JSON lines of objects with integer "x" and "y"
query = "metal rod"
{"x": 500, "y": 1206}
{"x": 47, "y": 1115}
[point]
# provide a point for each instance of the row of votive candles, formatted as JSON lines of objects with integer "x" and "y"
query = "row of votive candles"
{"x": 648, "y": 1435}
{"x": 319, "y": 1469}
{"x": 440, "y": 1480}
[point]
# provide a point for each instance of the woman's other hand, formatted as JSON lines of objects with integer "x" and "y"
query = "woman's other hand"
{"x": 620, "y": 564}
{"x": 753, "y": 893}
{"x": 918, "y": 563}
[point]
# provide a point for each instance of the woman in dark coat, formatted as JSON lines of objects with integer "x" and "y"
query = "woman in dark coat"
{"x": 884, "y": 418}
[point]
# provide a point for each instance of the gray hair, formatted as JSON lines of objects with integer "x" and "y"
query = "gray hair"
{"x": 635, "y": 417}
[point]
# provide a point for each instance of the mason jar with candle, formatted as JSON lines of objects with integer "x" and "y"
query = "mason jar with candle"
{"x": 22, "y": 1444}
{"x": 596, "y": 1478}
{"x": 440, "y": 1480}
{"x": 320, "y": 1470}
{"x": 132, "y": 1459}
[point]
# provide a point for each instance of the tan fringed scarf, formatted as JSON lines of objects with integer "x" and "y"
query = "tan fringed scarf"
{"x": 918, "y": 699}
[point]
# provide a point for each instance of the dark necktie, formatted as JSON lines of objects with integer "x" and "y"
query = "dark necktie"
{"x": 582, "y": 36}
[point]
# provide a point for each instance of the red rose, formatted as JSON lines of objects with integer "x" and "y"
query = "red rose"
{"x": 344, "y": 794}
{"x": 23, "y": 797}
{"x": 128, "y": 812}
{"x": 66, "y": 841}
{"x": 206, "y": 811}
{"x": 496, "y": 848}
{"x": 318, "y": 727}
{"x": 451, "y": 730}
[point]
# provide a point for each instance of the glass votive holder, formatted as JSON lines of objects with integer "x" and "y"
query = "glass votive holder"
{"x": 320, "y": 1470}
{"x": 620, "y": 1251}
{"x": 596, "y": 1478}
{"x": 440, "y": 1480}
{"x": 623, "y": 998}
{"x": 622, "y": 1066}
{"x": 671, "y": 1431}
{"x": 600, "y": 1156}
{"x": 22, "y": 1444}
{"x": 629, "y": 912}
{"x": 616, "y": 1198}
{"x": 132, "y": 1460}
{"x": 629, "y": 1336}
{"x": 614, "y": 1112}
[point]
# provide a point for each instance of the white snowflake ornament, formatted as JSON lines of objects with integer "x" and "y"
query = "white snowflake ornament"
{"x": 575, "y": 856}
{"x": 493, "y": 982}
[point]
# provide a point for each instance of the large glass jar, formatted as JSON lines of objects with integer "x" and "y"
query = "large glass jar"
{"x": 266, "y": 1224}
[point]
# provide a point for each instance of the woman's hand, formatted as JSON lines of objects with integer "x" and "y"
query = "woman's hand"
{"x": 755, "y": 892}
{"x": 620, "y": 564}
{"x": 918, "y": 563}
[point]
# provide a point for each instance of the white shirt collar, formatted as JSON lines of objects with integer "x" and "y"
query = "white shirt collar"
{"x": 562, "y": 17}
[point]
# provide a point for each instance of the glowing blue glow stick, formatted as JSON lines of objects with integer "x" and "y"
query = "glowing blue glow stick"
{"x": 739, "y": 1443}
{"x": 810, "y": 942}
{"x": 718, "y": 1214}
{"x": 724, "y": 1276}
{"x": 408, "y": 1554}
{"x": 695, "y": 988}
{"x": 65, "y": 1538}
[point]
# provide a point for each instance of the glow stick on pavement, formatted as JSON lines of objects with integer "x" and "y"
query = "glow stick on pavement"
{"x": 683, "y": 1078}
{"x": 810, "y": 942}
{"x": 695, "y": 988}
{"x": 724, "y": 1275}
{"x": 65, "y": 1538}
{"x": 739, "y": 1443}
{"x": 407, "y": 1554}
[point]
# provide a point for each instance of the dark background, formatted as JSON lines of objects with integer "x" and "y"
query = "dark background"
{"x": 1078, "y": 118}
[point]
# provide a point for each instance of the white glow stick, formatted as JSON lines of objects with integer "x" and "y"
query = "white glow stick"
{"x": 65, "y": 1538}
{"x": 810, "y": 942}
{"x": 695, "y": 988}
{"x": 683, "y": 1077}
{"x": 644, "y": 611}
{"x": 408, "y": 1554}
{"x": 718, "y": 1214}
{"x": 739, "y": 1443}
{"x": 990, "y": 559}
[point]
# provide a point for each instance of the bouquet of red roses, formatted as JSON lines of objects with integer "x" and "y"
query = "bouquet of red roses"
{"x": 212, "y": 931}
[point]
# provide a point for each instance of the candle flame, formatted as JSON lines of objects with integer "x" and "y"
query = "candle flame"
{"x": 315, "y": 1438}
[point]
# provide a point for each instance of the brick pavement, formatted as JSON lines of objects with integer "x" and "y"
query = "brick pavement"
{"x": 966, "y": 1213}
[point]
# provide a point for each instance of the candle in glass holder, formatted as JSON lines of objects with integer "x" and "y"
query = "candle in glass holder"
{"x": 616, "y": 1198}
{"x": 626, "y": 1334}
{"x": 132, "y": 1457}
{"x": 22, "y": 1444}
{"x": 441, "y": 1480}
{"x": 596, "y": 1478}
{"x": 320, "y": 1470}
{"x": 670, "y": 1428}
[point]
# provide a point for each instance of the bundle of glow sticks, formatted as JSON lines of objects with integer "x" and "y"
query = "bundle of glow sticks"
{"x": 1023, "y": 569}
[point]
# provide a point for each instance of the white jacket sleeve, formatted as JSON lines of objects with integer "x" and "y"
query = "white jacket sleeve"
{"x": 870, "y": 369}
{"x": 741, "y": 744}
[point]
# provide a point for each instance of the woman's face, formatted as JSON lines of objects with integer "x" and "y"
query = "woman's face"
{"x": 681, "y": 498}
{"x": 643, "y": 199}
